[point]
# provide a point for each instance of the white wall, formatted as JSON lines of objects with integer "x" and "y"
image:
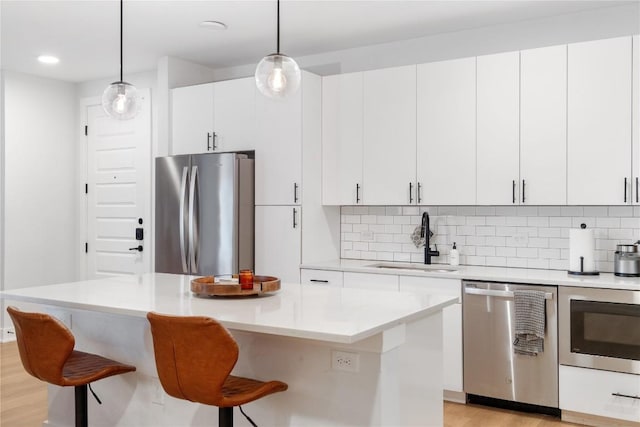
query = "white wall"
{"x": 588, "y": 25}
{"x": 40, "y": 191}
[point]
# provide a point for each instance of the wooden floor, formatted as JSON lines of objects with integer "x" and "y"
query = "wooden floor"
{"x": 23, "y": 402}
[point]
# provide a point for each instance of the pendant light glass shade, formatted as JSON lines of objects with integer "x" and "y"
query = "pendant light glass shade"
{"x": 120, "y": 100}
{"x": 277, "y": 75}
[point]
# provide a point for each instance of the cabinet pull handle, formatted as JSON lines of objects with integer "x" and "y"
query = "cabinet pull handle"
{"x": 295, "y": 192}
{"x": 523, "y": 191}
{"x": 318, "y": 281}
{"x": 513, "y": 192}
{"x": 295, "y": 224}
{"x": 625, "y": 189}
{"x": 215, "y": 138}
{"x": 419, "y": 196}
{"x": 411, "y": 192}
{"x": 625, "y": 395}
{"x": 357, "y": 193}
{"x": 637, "y": 199}
{"x": 209, "y": 141}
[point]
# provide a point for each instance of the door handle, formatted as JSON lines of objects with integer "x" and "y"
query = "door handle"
{"x": 193, "y": 223}
{"x": 625, "y": 189}
{"x": 419, "y": 196}
{"x": 318, "y": 281}
{"x": 215, "y": 138}
{"x": 411, "y": 192}
{"x": 183, "y": 207}
{"x": 209, "y": 141}
{"x": 523, "y": 191}
{"x": 357, "y": 193}
{"x": 625, "y": 395}
{"x": 295, "y": 224}
{"x": 637, "y": 201}
{"x": 513, "y": 192}
{"x": 137, "y": 248}
{"x": 494, "y": 293}
{"x": 295, "y": 192}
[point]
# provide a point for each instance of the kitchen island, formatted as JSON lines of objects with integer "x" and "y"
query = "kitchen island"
{"x": 391, "y": 370}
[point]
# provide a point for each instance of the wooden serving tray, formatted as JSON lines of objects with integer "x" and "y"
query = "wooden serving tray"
{"x": 205, "y": 286}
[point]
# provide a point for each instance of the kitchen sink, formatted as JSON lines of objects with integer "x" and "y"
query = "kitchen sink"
{"x": 415, "y": 267}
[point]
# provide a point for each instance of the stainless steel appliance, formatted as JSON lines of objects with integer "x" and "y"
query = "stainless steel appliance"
{"x": 627, "y": 261}
{"x": 491, "y": 369}
{"x": 204, "y": 214}
{"x": 600, "y": 328}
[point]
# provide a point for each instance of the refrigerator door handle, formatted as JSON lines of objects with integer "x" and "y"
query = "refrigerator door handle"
{"x": 183, "y": 196}
{"x": 193, "y": 222}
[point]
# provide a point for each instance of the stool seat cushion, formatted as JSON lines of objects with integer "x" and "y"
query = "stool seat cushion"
{"x": 84, "y": 368}
{"x": 239, "y": 390}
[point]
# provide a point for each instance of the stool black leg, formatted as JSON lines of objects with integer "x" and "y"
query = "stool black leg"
{"x": 225, "y": 417}
{"x": 82, "y": 415}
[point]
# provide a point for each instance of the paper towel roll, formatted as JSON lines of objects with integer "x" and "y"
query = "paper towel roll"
{"x": 581, "y": 244}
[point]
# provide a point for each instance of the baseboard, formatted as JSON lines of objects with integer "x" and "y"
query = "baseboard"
{"x": 454, "y": 396}
{"x": 596, "y": 420}
{"x": 8, "y": 335}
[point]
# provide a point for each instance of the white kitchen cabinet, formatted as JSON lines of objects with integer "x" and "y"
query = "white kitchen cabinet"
{"x": 389, "y": 160}
{"x": 278, "y": 242}
{"x": 278, "y": 149}
{"x": 599, "y": 122}
{"x": 543, "y": 126}
{"x": 635, "y": 131}
{"x": 446, "y": 139}
{"x": 192, "y": 119}
{"x": 600, "y": 393}
{"x": 498, "y": 89}
{"x": 381, "y": 282}
{"x": 321, "y": 277}
{"x": 342, "y": 139}
{"x": 234, "y": 115}
{"x": 451, "y": 324}
{"x": 213, "y": 117}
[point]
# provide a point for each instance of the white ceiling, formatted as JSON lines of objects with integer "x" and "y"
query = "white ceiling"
{"x": 84, "y": 34}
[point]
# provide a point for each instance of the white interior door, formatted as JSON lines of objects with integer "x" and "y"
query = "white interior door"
{"x": 119, "y": 192}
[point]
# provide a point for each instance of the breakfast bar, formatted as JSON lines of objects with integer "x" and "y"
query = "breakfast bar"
{"x": 349, "y": 356}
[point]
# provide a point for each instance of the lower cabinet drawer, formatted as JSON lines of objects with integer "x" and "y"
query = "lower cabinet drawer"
{"x": 321, "y": 277}
{"x": 601, "y": 393}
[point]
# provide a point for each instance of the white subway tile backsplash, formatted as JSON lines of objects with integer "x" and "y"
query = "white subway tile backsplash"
{"x": 513, "y": 236}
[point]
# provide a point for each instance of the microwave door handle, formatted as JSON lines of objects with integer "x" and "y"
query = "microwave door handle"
{"x": 183, "y": 199}
{"x": 193, "y": 221}
{"x": 494, "y": 293}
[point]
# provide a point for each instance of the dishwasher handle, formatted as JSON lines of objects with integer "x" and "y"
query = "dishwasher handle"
{"x": 494, "y": 293}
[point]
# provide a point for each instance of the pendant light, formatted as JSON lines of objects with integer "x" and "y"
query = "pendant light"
{"x": 120, "y": 99}
{"x": 277, "y": 75}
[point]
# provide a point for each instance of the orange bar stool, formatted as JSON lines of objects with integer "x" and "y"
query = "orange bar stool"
{"x": 46, "y": 350}
{"x": 194, "y": 359}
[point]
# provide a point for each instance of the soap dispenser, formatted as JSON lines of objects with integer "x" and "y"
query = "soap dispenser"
{"x": 454, "y": 255}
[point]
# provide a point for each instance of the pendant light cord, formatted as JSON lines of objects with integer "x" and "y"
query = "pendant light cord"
{"x": 278, "y": 30}
{"x": 121, "y": 1}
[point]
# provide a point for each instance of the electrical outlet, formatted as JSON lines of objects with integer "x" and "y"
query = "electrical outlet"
{"x": 366, "y": 236}
{"x": 345, "y": 361}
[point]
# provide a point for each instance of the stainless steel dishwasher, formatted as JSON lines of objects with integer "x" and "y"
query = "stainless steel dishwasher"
{"x": 491, "y": 369}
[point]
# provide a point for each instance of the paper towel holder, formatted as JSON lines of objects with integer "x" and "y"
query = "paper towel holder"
{"x": 582, "y": 272}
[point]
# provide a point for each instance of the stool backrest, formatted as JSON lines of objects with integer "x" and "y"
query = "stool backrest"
{"x": 194, "y": 356}
{"x": 44, "y": 344}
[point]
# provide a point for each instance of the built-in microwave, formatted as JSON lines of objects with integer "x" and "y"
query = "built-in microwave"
{"x": 599, "y": 328}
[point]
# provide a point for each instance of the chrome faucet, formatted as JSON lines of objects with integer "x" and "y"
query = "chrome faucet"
{"x": 425, "y": 232}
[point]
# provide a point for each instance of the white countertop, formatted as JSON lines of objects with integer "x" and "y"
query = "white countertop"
{"x": 310, "y": 311}
{"x": 496, "y": 274}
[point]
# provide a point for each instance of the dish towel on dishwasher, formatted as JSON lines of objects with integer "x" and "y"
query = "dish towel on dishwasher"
{"x": 530, "y": 322}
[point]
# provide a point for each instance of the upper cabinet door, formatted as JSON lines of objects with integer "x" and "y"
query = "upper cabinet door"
{"x": 635, "y": 132}
{"x": 389, "y": 165}
{"x": 543, "y": 126}
{"x": 192, "y": 119}
{"x": 278, "y": 149}
{"x": 446, "y": 143}
{"x": 234, "y": 112}
{"x": 342, "y": 111}
{"x": 498, "y": 129}
{"x": 599, "y": 122}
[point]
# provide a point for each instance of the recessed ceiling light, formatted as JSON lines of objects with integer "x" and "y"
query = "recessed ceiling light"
{"x": 48, "y": 59}
{"x": 213, "y": 25}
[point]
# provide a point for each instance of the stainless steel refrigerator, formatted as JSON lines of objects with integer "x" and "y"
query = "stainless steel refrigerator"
{"x": 204, "y": 214}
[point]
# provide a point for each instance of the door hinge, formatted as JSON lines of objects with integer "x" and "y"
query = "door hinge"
{"x": 86, "y": 188}
{"x": 86, "y": 130}
{"x": 86, "y": 247}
